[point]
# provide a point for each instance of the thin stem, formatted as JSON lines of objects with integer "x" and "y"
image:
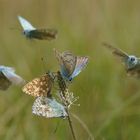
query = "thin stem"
{"x": 70, "y": 124}
{"x": 69, "y": 119}
{"x": 62, "y": 86}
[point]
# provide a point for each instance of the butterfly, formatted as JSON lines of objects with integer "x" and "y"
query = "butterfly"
{"x": 40, "y": 86}
{"x": 33, "y": 33}
{"x": 70, "y": 65}
{"x": 132, "y": 63}
{"x": 8, "y": 77}
{"x": 48, "y": 108}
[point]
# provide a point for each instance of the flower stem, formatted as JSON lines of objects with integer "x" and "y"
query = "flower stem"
{"x": 70, "y": 124}
{"x": 63, "y": 86}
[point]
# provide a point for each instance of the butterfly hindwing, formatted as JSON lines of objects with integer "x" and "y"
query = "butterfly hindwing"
{"x": 81, "y": 63}
{"x": 48, "y": 108}
{"x": 8, "y": 77}
{"x": 134, "y": 71}
{"x": 4, "y": 82}
{"x": 39, "y": 86}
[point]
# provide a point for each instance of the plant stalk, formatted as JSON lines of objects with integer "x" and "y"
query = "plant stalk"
{"x": 70, "y": 124}
{"x": 62, "y": 86}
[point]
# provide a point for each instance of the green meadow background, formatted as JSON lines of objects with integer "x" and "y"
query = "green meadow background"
{"x": 109, "y": 99}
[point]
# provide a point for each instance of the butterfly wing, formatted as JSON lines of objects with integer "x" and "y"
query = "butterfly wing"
{"x": 8, "y": 77}
{"x": 48, "y": 108}
{"x": 4, "y": 82}
{"x": 7, "y": 68}
{"x": 39, "y": 86}
{"x": 26, "y": 25}
{"x": 12, "y": 77}
{"x": 67, "y": 63}
{"x": 81, "y": 63}
{"x": 117, "y": 52}
{"x": 42, "y": 34}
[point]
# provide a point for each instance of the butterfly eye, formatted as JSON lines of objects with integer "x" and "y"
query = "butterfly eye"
{"x": 132, "y": 59}
{"x": 70, "y": 79}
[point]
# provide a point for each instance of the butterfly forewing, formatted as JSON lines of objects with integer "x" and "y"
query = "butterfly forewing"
{"x": 48, "y": 108}
{"x": 7, "y": 68}
{"x": 26, "y": 25}
{"x": 67, "y": 62}
{"x": 39, "y": 86}
{"x": 13, "y": 78}
{"x": 116, "y": 51}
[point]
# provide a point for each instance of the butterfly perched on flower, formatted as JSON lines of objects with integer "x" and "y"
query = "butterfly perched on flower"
{"x": 132, "y": 63}
{"x": 70, "y": 65}
{"x": 40, "y": 86}
{"x": 48, "y": 108}
{"x": 8, "y": 77}
{"x": 33, "y": 33}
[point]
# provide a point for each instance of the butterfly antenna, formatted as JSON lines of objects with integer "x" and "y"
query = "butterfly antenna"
{"x": 57, "y": 126}
{"x": 43, "y": 64}
{"x": 14, "y": 28}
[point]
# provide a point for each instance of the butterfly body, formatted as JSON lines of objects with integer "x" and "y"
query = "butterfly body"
{"x": 48, "y": 108}
{"x": 70, "y": 65}
{"x": 27, "y": 34}
{"x": 33, "y": 33}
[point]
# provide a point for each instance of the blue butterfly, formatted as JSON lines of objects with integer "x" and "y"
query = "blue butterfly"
{"x": 8, "y": 77}
{"x": 33, "y": 33}
{"x": 48, "y": 108}
{"x": 70, "y": 65}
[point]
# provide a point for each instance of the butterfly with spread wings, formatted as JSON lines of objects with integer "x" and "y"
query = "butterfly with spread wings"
{"x": 48, "y": 108}
{"x": 70, "y": 65}
{"x": 8, "y": 77}
{"x": 40, "y": 86}
{"x": 33, "y": 33}
{"x": 132, "y": 63}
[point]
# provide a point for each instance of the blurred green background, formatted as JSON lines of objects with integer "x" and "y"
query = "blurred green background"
{"x": 109, "y": 99}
